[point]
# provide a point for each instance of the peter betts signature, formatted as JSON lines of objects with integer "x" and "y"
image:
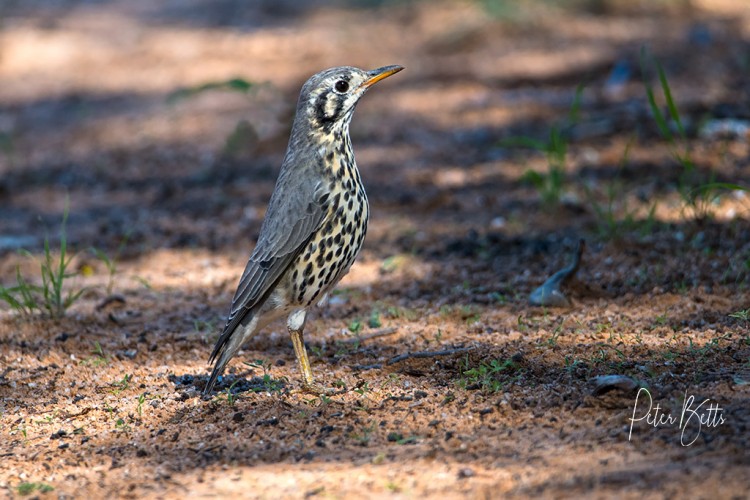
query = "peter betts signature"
{"x": 693, "y": 419}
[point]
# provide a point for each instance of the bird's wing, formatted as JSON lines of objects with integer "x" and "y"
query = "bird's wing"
{"x": 297, "y": 209}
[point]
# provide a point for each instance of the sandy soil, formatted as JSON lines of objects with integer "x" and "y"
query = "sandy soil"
{"x": 172, "y": 187}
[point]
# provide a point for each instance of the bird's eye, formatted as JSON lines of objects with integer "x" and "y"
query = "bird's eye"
{"x": 341, "y": 86}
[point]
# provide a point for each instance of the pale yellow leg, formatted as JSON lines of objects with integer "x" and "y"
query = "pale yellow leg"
{"x": 296, "y": 325}
{"x": 302, "y": 359}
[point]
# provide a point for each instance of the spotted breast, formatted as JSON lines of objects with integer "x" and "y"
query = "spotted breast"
{"x": 332, "y": 250}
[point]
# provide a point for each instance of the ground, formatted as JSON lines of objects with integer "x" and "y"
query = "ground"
{"x": 102, "y": 112}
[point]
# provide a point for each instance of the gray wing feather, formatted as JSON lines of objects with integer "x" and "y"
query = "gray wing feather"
{"x": 297, "y": 209}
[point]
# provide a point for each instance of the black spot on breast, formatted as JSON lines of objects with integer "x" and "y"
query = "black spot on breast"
{"x": 329, "y": 156}
{"x": 337, "y": 239}
{"x": 308, "y": 270}
{"x": 351, "y": 205}
{"x": 348, "y": 228}
{"x": 339, "y": 251}
{"x": 329, "y": 256}
{"x": 323, "y": 199}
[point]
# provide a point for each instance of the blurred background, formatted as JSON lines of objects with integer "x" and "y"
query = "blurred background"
{"x": 167, "y": 121}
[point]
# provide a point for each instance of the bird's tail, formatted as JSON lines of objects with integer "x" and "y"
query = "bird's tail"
{"x": 227, "y": 346}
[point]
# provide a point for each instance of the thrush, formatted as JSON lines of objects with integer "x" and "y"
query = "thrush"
{"x": 315, "y": 223}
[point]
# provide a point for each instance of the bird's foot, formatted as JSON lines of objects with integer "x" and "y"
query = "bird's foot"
{"x": 319, "y": 390}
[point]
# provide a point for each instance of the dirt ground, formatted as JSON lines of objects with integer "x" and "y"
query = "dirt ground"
{"x": 99, "y": 111}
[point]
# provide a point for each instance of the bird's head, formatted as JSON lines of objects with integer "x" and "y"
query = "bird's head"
{"x": 328, "y": 98}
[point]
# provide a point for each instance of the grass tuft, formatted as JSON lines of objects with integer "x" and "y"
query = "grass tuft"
{"x": 52, "y": 297}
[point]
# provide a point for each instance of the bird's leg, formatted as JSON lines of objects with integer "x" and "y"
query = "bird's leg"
{"x": 308, "y": 384}
{"x": 296, "y": 325}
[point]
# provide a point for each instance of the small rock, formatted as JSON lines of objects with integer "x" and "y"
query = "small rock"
{"x": 464, "y": 473}
{"x": 606, "y": 383}
{"x": 269, "y": 421}
{"x": 238, "y": 417}
{"x": 727, "y": 128}
{"x": 394, "y": 437}
{"x": 129, "y": 354}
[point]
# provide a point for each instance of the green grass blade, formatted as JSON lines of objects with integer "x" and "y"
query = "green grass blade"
{"x": 659, "y": 118}
{"x": 72, "y": 297}
{"x": 6, "y": 295}
{"x": 671, "y": 106}
{"x": 102, "y": 256}
{"x": 575, "y": 107}
{"x": 233, "y": 84}
{"x": 524, "y": 142}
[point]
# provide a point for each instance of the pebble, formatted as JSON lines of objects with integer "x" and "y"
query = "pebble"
{"x": 466, "y": 472}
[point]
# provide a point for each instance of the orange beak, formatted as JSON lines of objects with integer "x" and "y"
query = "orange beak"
{"x": 379, "y": 74}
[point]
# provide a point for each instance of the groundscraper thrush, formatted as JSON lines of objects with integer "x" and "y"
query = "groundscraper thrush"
{"x": 315, "y": 223}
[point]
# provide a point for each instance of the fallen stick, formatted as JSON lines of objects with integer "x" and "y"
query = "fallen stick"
{"x": 377, "y": 333}
{"x": 428, "y": 354}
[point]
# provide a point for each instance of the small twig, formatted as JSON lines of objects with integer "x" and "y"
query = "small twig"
{"x": 110, "y": 300}
{"x": 428, "y": 354}
{"x": 377, "y": 333}
{"x": 71, "y": 416}
{"x": 373, "y": 366}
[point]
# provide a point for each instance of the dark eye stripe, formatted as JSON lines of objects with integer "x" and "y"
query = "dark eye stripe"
{"x": 320, "y": 108}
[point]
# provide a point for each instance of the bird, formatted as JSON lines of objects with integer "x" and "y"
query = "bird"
{"x": 315, "y": 223}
